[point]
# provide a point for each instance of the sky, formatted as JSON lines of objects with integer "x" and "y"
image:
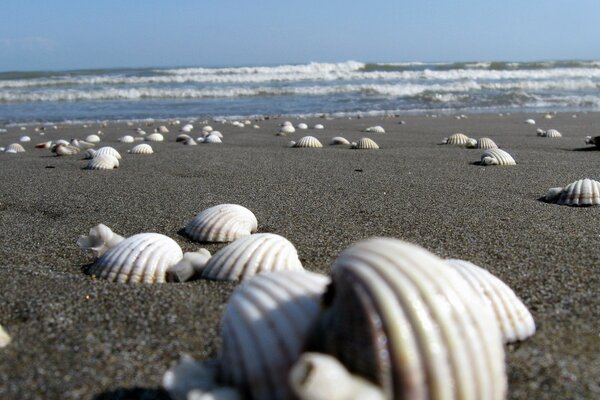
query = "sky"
{"x": 76, "y": 34}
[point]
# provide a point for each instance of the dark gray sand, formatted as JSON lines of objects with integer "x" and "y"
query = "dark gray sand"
{"x": 76, "y": 337}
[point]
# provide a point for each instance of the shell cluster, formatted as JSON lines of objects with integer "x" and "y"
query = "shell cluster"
{"x": 584, "y": 192}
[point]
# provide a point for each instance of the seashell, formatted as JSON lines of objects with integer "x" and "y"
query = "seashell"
{"x": 286, "y": 123}
{"x": 5, "y": 338}
{"x": 513, "y": 317}
{"x": 182, "y": 137}
{"x": 142, "y": 148}
{"x": 100, "y": 239}
{"x": 92, "y": 138}
{"x": 256, "y": 126}
{"x": 44, "y": 145}
{"x": 365, "y": 144}
{"x": 375, "y": 129}
{"x": 497, "y": 157}
{"x": 187, "y": 128}
{"x": 103, "y": 161}
{"x": 263, "y": 330}
{"x": 62, "y": 141}
{"x": 483, "y": 143}
{"x": 552, "y": 133}
{"x": 584, "y": 192}
{"x": 548, "y": 116}
{"x": 126, "y": 139}
{"x": 593, "y": 140}
{"x": 317, "y": 376}
{"x": 155, "y": 137}
{"x": 190, "y": 142}
{"x": 222, "y": 223}
{"x": 144, "y": 257}
{"x": 65, "y": 149}
{"x": 207, "y": 128}
{"x": 82, "y": 144}
{"x": 188, "y": 267}
{"x": 339, "y": 140}
{"x": 530, "y": 121}
{"x": 108, "y": 150}
{"x": 287, "y": 129}
{"x": 24, "y": 139}
{"x": 212, "y": 139}
{"x": 251, "y": 255}
{"x": 302, "y": 125}
{"x": 11, "y": 151}
{"x": 140, "y": 131}
{"x": 540, "y": 132}
{"x": 163, "y": 129}
{"x": 215, "y": 133}
{"x": 307, "y": 142}
{"x": 398, "y": 316}
{"x": 457, "y": 138}
{"x": 89, "y": 154}
{"x": 319, "y": 126}
{"x": 15, "y": 148}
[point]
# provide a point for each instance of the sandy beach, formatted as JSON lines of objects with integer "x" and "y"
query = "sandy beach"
{"x": 76, "y": 337}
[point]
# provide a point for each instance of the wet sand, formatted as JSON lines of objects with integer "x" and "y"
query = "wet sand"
{"x": 76, "y": 337}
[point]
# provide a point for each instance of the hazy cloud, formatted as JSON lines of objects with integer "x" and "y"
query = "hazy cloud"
{"x": 35, "y": 43}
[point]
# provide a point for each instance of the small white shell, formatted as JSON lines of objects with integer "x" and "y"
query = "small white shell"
{"x": 457, "y": 138}
{"x": 482, "y": 143}
{"x": 61, "y": 141}
{"x": 215, "y": 133}
{"x": 339, "y": 140}
{"x": 319, "y": 126}
{"x": 155, "y": 137}
{"x": 108, "y": 150}
{"x": 375, "y": 129}
{"x": 126, "y": 139}
{"x": 365, "y": 144}
{"x": 251, "y": 255}
{"x": 4, "y": 337}
{"x": 497, "y": 157}
{"x": 25, "y": 139}
{"x": 144, "y": 257}
{"x": 142, "y": 148}
{"x": 182, "y": 137}
{"x": 514, "y": 319}
{"x": 92, "y": 138}
{"x": 163, "y": 129}
{"x": 263, "y": 330}
{"x": 308, "y": 142}
{"x": 302, "y": 125}
{"x": 207, "y": 128}
{"x": 222, "y": 223}
{"x": 530, "y": 121}
{"x": 552, "y": 133}
{"x": 287, "y": 129}
{"x": 189, "y": 266}
{"x": 15, "y": 148}
{"x": 187, "y": 128}
{"x": 584, "y": 192}
{"x": 190, "y": 142}
{"x": 103, "y": 161}
{"x": 65, "y": 149}
{"x": 82, "y": 144}
{"x": 212, "y": 139}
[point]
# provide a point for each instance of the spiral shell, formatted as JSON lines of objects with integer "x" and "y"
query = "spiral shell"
{"x": 264, "y": 328}
{"x": 497, "y": 157}
{"x": 483, "y": 143}
{"x": 513, "y": 317}
{"x": 144, "y": 257}
{"x": 398, "y": 316}
{"x": 93, "y": 138}
{"x": 15, "y": 148}
{"x": 109, "y": 151}
{"x": 142, "y": 148}
{"x": 103, "y": 161}
{"x": 155, "y": 137}
{"x": 251, "y": 255}
{"x": 459, "y": 139}
{"x": 339, "y": 140}
{"x": 375, "y": 129}
{"x": 126, "y": 139}
{"x": 584, "y": 192}
{"x": 365, "y": 144}
{"x": 222, "y": 223}
{"x": 307, "y": 142}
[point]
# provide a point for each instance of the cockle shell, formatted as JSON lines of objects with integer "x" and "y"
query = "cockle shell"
{"x": 100, "y": 239}
{"x": 111, "y": 151}
{"x": 497, "y": 157}
{"x": 155, "y": 137}
{"x": 459, "y": 139}
{"x": 552, "y": 133}
{"x": 251, "y": 255}
{"x": 187, "y": 128}
{"x": 4, "y": 337}
{"x": 400, "y": 317}
{"x": 264, "y": 327}
{"x": 126, "y": 139}
{"x": 319, "y": 126}
{"x": 144, "y": 257}
{"x": 513, "y": 317}
{"x": 212, "y": 139}
{"x": 207, "y": 128}
{"x": 92, "y": 138}
{"x": 339, "y": 140}
{"x": 65, "y": 149}
{"x": 287, "y": 129}
{"x": 103, "y": 161}
{"x": 222, "y": 223}
{"x": 584, "y": 192}
{"x": 375, "y": 129}
{"x": 307, "y": 142}
{"x": 530, "y": 121}
{"x": 595, "y": 140}
{"x": 302, "y": 125}
{"x": 190, "y": 142}
{"x": 142, "y": 148}
{"x": 24, "y": 139}
{"x": 482, "y": 143}
{"x": 15, "y": 147}
{"x": 182, "y": 137}
{"x": 365, "y": 144}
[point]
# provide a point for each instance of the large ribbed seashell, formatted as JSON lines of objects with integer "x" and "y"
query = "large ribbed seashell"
{"x": 212, "y": 139}
{"x": 103, "y": 161}
{"x": 15, "y": 148}
{"x": 339, "y": 140}
{"x": 155, "y": 137}
{"x": 513, "y": 317}
{"x": 365, "y": 144}
{"x": 92, "y": 138}
{"x": 65, "y": 149}
{"x": 584, "y": 192}
{"x": 482, "y": 143}
{"x": 264, "y": 327}
{"x": 108, "y": 150}
{"x": 400, "y": 317}
{"x": 497, "y": 157}
{"x": 375, "y": 129}
{"x": 287, "y": 129}
{"x": 222, "y": 223}
{"x": 251, "y": 255}
{"x": 126, "y": 139}
{"x": 307, "y": 142}
{"x": 142, "y": 148}
{"x": 214, "y": 133}
{"x": 144, "y": 257}
{"x": 459, "y": 139}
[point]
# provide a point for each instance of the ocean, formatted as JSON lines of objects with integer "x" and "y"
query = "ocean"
{"x": 337, "y": 89}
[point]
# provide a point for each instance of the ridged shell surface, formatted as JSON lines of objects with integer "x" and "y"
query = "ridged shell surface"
{"x": 102, "y": 161}
{"x": 497, "y": 157}
{"x": 212, "y": 139}
{"x": 155, "y": 137}
{"x": 339, "y": 140}
{"x": 222, "y": 223}
{"x": 15, "y": 147}
{"x": 126, "y": 139}
{"x": 458, "y": 139}
{"x": 398, "y": 316}
{"x": 142, "y": 148}
{"x": 584, "y": 192}
{"x": 264, "y": 328}
{"x": 485, "y": 144}
{"x": 365, "y": 144}
{"x": 144, "y": 257}
{"x": 308, "y": 142}
{"x": 552, "y": 133}
{"x": 375, "y": 129}
{"x": 251, "y": 255}
{"x": 513, "y": 317}
{"x": 108, "y": 150}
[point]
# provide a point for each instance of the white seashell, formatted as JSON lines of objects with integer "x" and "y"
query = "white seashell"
{"x": 140, "y": 131}
{"x": 286, "y": 123}
{"x": 4, "y": 337}
{"x": 163, "y": 129}
{"x": 11, "y": 151}
{"x": 375, "y": 129}
{"x": 530, "y": 121}
{"x": 14, "y": 148}
{"x": 100, "y": 239}
{"x": 212, "y": 139}
{"x": 256, "y": 126}
{"x": 247, "y": 122}
{"x": 103, "y": 161}
{"x": 200, "y": 140}
{"x": 398, "y": 316}
{"x": 584, "y": 192}
{"x": 144, "y": 257}
{"x": 308, "y": 142}
{"x": 593, "y": 140}
{"x": 190, "y": 142}
{"x": 108, "y": 150}
{"x": 339, "y": 140}
{"x": 287, "y": 129}
{"x": 89, "y": 154}
{"x": 25, "y": 139}
{"x": 142, "y": 148}
{"x": 126, "y": 139}
{"x": 457, "y": 138}
{"x": 513, "y": 317}
{"x": 61, "y": 141}
{"x": 92, "y": 138}
{"x": 497, "y": 157}
{"x": 317, "y": 376}
{"x": 207, "y": 128}
{"x": 65, "y": 149}
{"x": 190, "y": 266}
{"x": 365, "y": 144}
{"x": 251, "y": 255}
{"x": 182, "y": 137}
{"x": 302, "y": 125}
{"x": 319, "y": 126}
{"x": 187, "y": 128}
{"x": 552, "y": 133}
{"x": 264, "y": 327}
{"x": 548, "y": 116}
{"x": 540, "y": 132}
{"x": 483, "y": 143}
{"x": 44, "y": 145}
{"x": 155, "y": 137}
{"x": 215, "y": 133}
{"x": 222, "y": 223}
{"x": 82, "y": 144}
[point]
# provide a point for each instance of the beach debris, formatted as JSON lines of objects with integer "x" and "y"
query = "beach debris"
{"x": 457, "y": 139}
{"x": 482, "y": 143}
{"x": 24, "y": 139}
{"x": 111, "y": 151}
{"x": 319, "y": 126}
{"x": 302, "y": 125}
{"x": 595, "y": 140}
{"x": 155, "y": 137}
{"x": 398, "y": 316}
{"x": 189, "y": 267}
{"x": 339, "y": 140}
{"x": 583, "y": 192}
{"x": 99, "y": 240}
{"x": 550, "y": 133}
{"x": 497, "y": 157}
{"x": 222, "y": 223}
{"x": 5, "y": 338}
{"x": 142, "y": 148}
{"x": 515, "y": 321}
{"x": 126, "y": 139}
{"x": 306, "y": 142}
{"x": 530, "y": 121}
{"x": 214, "y": 139}
{"x": 317, "y": 376}
{"x": 365, "y": 144}
{"x": 375, "y": 129}
{"x": 15, "y": 148}
{"x": 61, "y": 149}
{"x": 103, "y": 162}
{"x": 92, "y": 138}
{"x": 252, "y": 255}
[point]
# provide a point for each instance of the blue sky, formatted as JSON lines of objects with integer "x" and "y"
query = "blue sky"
{"x": 72, "y": 34}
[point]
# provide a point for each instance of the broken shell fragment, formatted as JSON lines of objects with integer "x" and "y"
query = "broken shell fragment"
{"x": 99, "y": 240}
{"x": 365, "y": 144}
{"x": 4, "y": 337}
{"x": 222, "y": 223}
{"x": 65, "y": 149}
{"x": 595, "y": 140}
{"x": 497, "y": 157}
{"x": 584, "y": 192}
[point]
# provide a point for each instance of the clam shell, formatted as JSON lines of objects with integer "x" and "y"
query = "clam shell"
{"x": 365, "y": 144}
{"x": 251, "y": 255}
{"x": 339, "y": 140}
{"x": 155, "y": 137}
{"x": 103, "y": 161}
{"x": 552, "y": 133}
{"x": 263, "y": 330}
{"x": 212, "y": 139}
{"x": 513, "y": 317}
{"x": 497, "y": 157}
{"x": 15, "y": 147}
{"x": 142, "y": 148}
{"x": 126, "y": 139}
{"x": 24, "y": 139}
{"x": 65, "y": 150}
{"x": 144, "y": 257}
{"x": 375, "y": 129}
{"x": 214, "y": 133}
{"x": 319, "y": 126}
{"x": 302, "y": 125}
{"x": 108, "y": 150}
{"x": 584, "y": 192}
{"x": 182, "y": 137}
{"x": 207, "y": 128}
{"x": 222, "y": 223}
{"x": 92, "y": 138}
{"x": 287, "y": 129}
{"x": 530, "y": 121}
{"x": 308, "y": 142}
{"x": 398, "y": 316}
{"x": 459, "y": 139}
{"x": 187, "y": 128}
{"x": 482, "y": 143}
